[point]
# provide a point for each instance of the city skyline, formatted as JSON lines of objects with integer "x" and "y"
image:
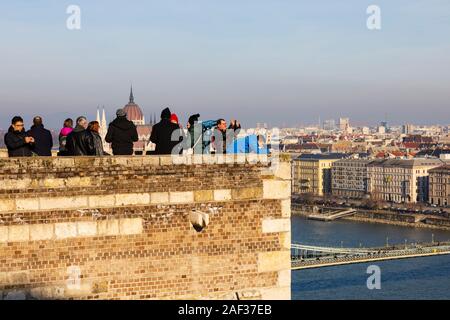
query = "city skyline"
{"x": 284, "y": 64}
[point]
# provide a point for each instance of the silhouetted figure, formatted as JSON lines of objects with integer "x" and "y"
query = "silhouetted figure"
{"x": 122, "y": 133}
{"x": 43, "y": 140}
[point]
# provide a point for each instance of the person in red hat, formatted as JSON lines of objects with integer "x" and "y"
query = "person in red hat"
{"x": 174, "y": 119}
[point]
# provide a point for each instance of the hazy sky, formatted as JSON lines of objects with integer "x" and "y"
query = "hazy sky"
{"x": 276, "y": 61}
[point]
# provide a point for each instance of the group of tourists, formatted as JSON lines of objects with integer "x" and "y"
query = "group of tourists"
{"x": 82, "y": 138}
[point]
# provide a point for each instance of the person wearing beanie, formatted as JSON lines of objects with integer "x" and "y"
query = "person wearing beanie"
{"x": 162, "y": 134}
{"x": 122, "y": 133}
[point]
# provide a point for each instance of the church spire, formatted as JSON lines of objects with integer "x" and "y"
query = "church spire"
{"x": 131, "y": 95}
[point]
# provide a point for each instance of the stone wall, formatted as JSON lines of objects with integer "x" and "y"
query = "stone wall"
{"x": 144, "y": 228}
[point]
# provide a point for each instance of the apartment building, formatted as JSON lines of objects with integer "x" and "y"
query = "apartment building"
{"x": 349, "y": 178}
{"x": 312, "y": 173}
{"x": 400, "y": 180}
{"x": 440, "y": 185}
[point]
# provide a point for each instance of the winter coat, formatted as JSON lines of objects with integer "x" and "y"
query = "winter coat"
{"x": 162, "y": 137}
{"x": 98, "y": 144}
{"x": 15, "y": 142}
{"x": 43, "y": 141}
{"x": 80, "y": 143}
{"x": 121, "y": 134}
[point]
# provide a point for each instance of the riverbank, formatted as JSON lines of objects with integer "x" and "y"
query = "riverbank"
{"x": 404, "y": 220}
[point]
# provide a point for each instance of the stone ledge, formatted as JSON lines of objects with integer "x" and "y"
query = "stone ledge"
{"x": 70, "y": 230}
{"x": 136, "y": 199}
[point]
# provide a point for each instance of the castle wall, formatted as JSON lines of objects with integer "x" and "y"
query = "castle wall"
{"x": 144, "y": 228}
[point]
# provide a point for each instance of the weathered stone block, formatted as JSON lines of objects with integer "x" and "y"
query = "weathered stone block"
{"x": 86, "y": 228}
{"x": 131, "y": 226}
{"x": 65, "y": 230}
{"x": 247, "y": 193}
{"x": 129, "y": 199}
{"x": 12, "y": 184}
{"x": 283, "y": 170}
{"x": 63, "y": 203}
{"x": 285, "y": 240}
{"x": 276, "y": 225}
{"x": 19, "y": 233}
{"x": 18, "y": 278}
{"x": 108, "y": 227}
{"x": 83, "y": 289}
{"x": 286, "y": 208}
{"x": 274, "y": 261}
{"x": 165, "y": 160}
{"x": 40, "y": 232}
{"x": 222, "y": 195}
{"x": 284, "y": 278}
{"x": 103, "y": 201}
{"x": 181, "y": 197}
{"x": 7, "y": 205}
{"x": 159, "y": 197}
{"x": 29, "y": 204}
{"x": 53, "y": 183}
{"x": 3, "y": 234}
{"x": 250, "y": 294}
{"x": 203, "y": 195}
{"x": 78, "y": 182}
{"x": 277, "y": 189}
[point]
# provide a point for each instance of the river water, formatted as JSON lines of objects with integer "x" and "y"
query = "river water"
{"x": 419, "y": 278}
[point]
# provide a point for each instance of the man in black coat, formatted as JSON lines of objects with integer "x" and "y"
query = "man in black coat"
{"x": 43, "y": 140}
{"x": 17, "y": 141}
{"x": 80, "y": 141}
{"x": 122, "y": 133}
{"x": 162, "y": 134}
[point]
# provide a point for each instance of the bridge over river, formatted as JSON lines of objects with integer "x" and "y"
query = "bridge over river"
{"x": 307, "y": 256}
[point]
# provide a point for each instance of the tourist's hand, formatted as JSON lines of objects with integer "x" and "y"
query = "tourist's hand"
{"x": 29, "y": 140}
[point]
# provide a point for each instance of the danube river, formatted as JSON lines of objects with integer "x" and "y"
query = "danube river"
{"x": 420, "y": 278}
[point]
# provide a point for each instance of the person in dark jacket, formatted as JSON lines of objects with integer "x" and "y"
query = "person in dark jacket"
{"x": 94, "y": 128}
{"x": 43, "y": 140}
{"x": 80, "y": 141}
{"x": 17, "y": 141}
{"x": 121, "y": 134}
{"x": 162, "y": 135}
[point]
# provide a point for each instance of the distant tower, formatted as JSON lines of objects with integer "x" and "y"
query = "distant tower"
{"x": 103, "y": 130}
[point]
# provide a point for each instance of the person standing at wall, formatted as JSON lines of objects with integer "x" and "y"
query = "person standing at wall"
{"x": 80, "y": 142}
{"x": 122, "y": 133}
{"x": 162, "y": 134}
{"x": 94, "y": 128}
{"x": 65, "y": 131}
{"x": 17, "y": 141}
{"x": 43, "y": 140}
{"x": 223, "y": 137}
